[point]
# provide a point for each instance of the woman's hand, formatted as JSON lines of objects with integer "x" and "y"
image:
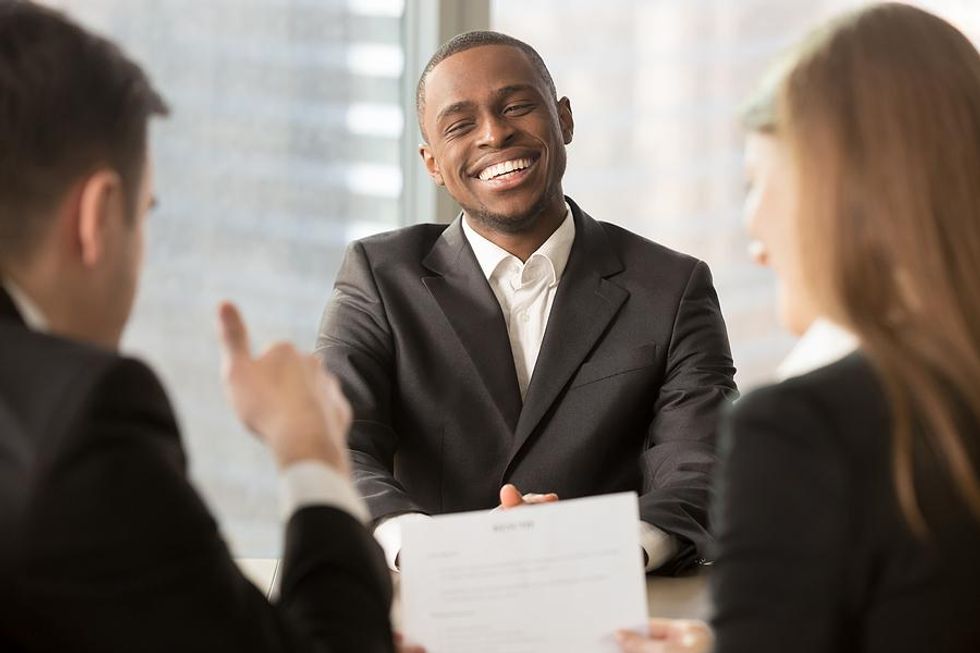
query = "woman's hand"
{"x": 668, "y": 636}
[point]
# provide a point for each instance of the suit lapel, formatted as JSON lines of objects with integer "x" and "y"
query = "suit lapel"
{"x": 472, "y": 310}
{"x": 585, "y": 304}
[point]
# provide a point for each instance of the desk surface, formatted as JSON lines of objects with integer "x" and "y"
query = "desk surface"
{"x": 679, "y": 598}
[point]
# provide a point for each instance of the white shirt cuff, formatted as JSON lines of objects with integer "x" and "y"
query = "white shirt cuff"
{"x": 312, "y": 483}
{"x": 658, "y": 545}
{"x": 388, "y": 533}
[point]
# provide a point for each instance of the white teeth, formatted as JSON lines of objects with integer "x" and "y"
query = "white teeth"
{"x": 503, "y": 168}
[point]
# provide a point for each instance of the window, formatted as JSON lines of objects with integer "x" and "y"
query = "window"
{"x": 284, "y": 144}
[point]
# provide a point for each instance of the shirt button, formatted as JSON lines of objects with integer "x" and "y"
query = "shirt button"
{"x": 525, "y": 317}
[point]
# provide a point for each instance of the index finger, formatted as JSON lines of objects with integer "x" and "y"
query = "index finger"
{"x": 234, "y": 336}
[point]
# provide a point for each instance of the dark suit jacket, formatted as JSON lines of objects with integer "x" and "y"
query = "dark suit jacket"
{"x": 634, "y": 366}
{"x": 815, "y": 555}
{"x": 105, "y": 545}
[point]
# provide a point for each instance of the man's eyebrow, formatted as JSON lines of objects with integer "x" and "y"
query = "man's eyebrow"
{"x": 465, "y": 105}
{"x": 456, "y": 107}
{"x": 514, "y": 88}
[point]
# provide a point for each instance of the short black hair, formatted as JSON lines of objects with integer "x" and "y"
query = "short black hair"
{"x": 70, "y": 101}
{"x": 475, "y": 39}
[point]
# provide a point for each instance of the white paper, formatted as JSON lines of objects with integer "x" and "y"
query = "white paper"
{"x": 554, "y": 578}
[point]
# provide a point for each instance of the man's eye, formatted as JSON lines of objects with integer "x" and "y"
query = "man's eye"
{"x": 518, "y": 109}
{"x": 458, "y": 128}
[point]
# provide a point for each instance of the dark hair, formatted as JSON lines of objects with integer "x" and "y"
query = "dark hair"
{"x": 467, "y": 41}
{"x": 70, "y": 101}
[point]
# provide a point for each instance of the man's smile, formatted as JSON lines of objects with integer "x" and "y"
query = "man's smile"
{"x": 508, "y": 173}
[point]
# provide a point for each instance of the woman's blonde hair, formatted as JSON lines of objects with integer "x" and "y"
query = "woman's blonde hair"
{"x": 881, "y": 111}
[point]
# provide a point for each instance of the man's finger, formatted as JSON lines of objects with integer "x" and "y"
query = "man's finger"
{"x": 233, "y": 334}
{"x": 532, "y": 498}
{"x": 510, "y": 496}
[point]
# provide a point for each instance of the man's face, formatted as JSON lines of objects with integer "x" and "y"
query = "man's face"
{"x": 496, "y": 136}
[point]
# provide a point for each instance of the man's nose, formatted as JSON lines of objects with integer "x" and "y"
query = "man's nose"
{"x": 495, "y": 131}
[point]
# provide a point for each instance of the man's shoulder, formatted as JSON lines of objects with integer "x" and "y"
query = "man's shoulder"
{"x": 413, "y": 242}
{"x": 31, "y": 355}
{"x": 637, "y": 249}
{"x": 46, "y": 376}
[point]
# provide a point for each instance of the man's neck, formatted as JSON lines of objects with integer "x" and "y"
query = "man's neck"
{"x": 524, "y": 243}
{"x": 18, "y": 283}
{"x": 48, "y": 302}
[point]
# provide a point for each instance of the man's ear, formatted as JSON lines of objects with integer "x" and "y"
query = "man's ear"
{"x": 430, "y": 164}
{"x": 100, "y": 198}
{"x": 565, "y": 119}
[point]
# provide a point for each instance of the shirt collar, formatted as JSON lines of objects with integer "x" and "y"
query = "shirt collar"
{"x": 555, "y": 250}
{"x": 29, "y": 311}
{"x": 823, "y": 343}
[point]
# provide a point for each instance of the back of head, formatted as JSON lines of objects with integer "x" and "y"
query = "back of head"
{"x": 70, "y": 102}
{"x": 881, "y": 110}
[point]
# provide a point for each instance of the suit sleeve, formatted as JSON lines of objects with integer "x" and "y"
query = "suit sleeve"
{"x": 680, "y": 453}
{"x": 125, "y": 555}
{"x": 782, "y": 529}
{"x": 356, "y": 344}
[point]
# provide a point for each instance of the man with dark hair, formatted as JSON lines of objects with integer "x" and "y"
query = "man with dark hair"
{"x": 525, "y": 344}
{"x": 467, "y": 41}
{"x": 105, "y": 544}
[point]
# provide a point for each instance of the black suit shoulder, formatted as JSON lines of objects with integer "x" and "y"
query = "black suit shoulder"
{"x": 53, "y": 386}
{"x": 815, "y": 553}
{"x": 841, "y": 404}
{"x": 638, "y": 250}
{"x": 660, "y": 277}
{"x": 408, "y": 245}
{"x": 63, "y": 367}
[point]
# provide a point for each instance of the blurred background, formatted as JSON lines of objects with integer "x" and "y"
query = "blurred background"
{"x": 293, "y": 132}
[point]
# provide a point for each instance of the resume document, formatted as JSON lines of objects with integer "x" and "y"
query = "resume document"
{"x": 553, "y": 578}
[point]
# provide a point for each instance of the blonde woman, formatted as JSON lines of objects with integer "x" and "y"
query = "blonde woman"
{"x": 849, "y": 516}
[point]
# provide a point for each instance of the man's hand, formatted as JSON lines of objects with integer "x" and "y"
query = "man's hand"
{"x": 285, "y": 397}
{"x": 511, "y": 497}
{"x": 668, "y": 636}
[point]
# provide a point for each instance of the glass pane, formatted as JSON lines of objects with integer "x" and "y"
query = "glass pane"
{"x": 284, "y": 144}
{"x": 655, "y": 87}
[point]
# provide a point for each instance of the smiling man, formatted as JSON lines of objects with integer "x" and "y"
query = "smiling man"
{"x": 525, "y": 344}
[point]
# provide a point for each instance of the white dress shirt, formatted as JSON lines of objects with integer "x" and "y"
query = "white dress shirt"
{"x": 301, "y": 484}
{"x": 822, "y": 344}
{"x": 526, "y": 292}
